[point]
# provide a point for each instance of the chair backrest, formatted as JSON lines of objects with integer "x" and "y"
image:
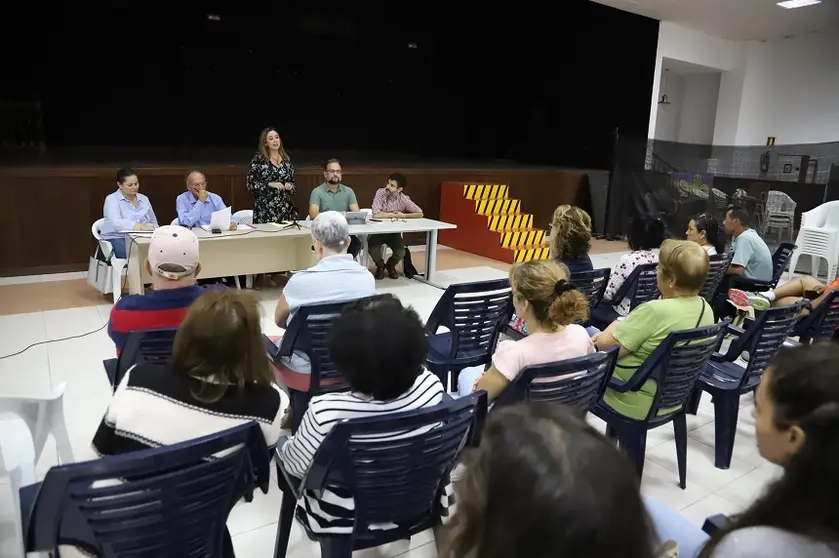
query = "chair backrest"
{"x": 592, "y": 284}
{"x": 243, "y": 217}
{"x": 640, "y": 287}
{"x": 716, "y": 271}
{"x": 145, "y": 346}
{"x": 308, "y": 332}
{"x": 175, "y": 221}
{"x": 475, "y": 313}
{"x": 171, "y": 501}
{"x": 720, "y": 198}
{"x": 396, "y": 465}
{"x": 766, "y": 336}
{"x": 676, "y": 365}
{"x": 578, "y": 382}
{"x": 96, "y": 227}
{"x": 780, "y": 260}
{"x": 822, "y": 322}
{"x": 36, "y": 413}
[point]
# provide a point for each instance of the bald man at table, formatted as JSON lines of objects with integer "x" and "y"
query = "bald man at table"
{"x": 195, "y": 207}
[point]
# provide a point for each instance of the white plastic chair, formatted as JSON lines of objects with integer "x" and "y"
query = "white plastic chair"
{"x": 117, "y": 264}
{"x": 22, "y": 441}
{"x": 175, "y": 222}
{"x": 780, "y": 212}
{"x": 243, "y": 217}
{"x": 818, "y": 237}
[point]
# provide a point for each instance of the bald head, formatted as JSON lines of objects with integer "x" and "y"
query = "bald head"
{"x": 195, "y": 182}
{"x": 685, "y": 263}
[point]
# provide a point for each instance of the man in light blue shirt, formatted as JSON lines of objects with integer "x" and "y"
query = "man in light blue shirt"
{"x": 336, "y": 277}
{"x": 752, "y": 258}
{"x": 196, "y": 205}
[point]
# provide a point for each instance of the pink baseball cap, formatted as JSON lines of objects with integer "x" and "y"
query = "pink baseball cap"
{"x": 173, "y": 252}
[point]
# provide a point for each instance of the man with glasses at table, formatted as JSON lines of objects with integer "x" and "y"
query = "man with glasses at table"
{"x": 390, "y": 203}
{"x": 333, "y": 195}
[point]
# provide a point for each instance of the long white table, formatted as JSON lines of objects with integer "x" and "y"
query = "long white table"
{"x": 266, "y": 249}
{"x": 386, "y": 226}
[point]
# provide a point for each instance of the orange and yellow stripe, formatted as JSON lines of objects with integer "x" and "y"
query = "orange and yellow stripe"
{"x": 522, "y": 238}
{"x": 532, "y": 254}
{"x": 484, "y": 191}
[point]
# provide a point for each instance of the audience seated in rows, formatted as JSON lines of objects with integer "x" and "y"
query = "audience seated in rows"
{"x": 336, "y": 277}
{"x": 544, "y": 483}
{"x": 705, "y": 231}
{"x": 570, "y": 238}
{"x": 796, "y": 417}
{"x": 173, "y": 265}
{"x": 644, "y": 236}
{"x": 682, "y": 268}
{"x": 380, "y": 347}
{"x": 550, "y": 307}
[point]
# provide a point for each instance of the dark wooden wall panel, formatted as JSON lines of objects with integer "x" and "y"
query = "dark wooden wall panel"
{"x": 49, "y": 210}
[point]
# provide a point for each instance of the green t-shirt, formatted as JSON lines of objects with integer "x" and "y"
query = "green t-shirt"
{"x": 326, "y": 200}
{"x": 641, "y": 332}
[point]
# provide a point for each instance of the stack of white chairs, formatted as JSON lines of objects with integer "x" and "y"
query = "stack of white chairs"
{"x": 780, "y": 212}
{"x": 818, "y": 238}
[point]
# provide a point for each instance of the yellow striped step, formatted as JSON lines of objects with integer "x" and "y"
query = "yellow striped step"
{"x": 498, "y": 205}
{"x": 510, "y": 222}
{"x": 484, "y": 191}
{"x": 527, "y": 253}
{"x": 522, "y": 237}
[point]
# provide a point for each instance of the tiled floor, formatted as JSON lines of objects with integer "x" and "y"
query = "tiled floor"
{"x": 253, "y": 526}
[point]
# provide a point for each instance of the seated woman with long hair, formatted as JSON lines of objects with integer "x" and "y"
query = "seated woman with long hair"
{"x": 218, "y": 378}
{"x": 545, "y": 484}
{"x": 796, "y": 417}
{"x": 550, "y": 307}
{"x": 644, "y": 236}
{"x": 571, "y": 238}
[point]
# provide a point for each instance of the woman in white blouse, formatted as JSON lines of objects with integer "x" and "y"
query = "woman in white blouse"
{"x": 705, "y": 231}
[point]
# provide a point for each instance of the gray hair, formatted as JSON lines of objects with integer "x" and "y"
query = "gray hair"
{"x": 330, "y": 228}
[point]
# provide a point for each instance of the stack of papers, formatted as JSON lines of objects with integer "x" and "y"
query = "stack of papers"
{"x": 219, "y": 220}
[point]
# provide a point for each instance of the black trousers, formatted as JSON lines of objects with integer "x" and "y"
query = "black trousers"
{"x": 355, "y": 246}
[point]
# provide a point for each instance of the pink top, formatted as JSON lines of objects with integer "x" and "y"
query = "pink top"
{"x": 511, "y": 357}
{"x": 391, "y": 203}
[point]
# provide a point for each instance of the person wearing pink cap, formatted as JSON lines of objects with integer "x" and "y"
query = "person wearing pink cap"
{"x": 173, "y": 264}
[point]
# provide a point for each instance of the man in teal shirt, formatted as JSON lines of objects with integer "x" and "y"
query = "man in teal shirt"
{"x": 332, "y": 195}
{"x": 752, "y": 258}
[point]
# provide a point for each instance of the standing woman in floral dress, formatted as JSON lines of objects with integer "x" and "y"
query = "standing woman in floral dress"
{"x": 271, "y": 179}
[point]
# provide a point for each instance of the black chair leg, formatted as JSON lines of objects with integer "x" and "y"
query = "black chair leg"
{"x": 633, "y": 441}
{"x": 286, "y": 517}
{"x": 680, "y": 429}
{"x": 336, "y": 547}
{"x": 726, "y": 411}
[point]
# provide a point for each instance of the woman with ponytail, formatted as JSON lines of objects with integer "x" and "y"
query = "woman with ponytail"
{"x": 796, "y": 418}
{"x": 550, "y": 307}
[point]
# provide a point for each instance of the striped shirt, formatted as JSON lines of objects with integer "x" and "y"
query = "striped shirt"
{"x": 163, "y": 308}
{"x": 393, "y": 203}
{"x": 332, "y": 510}
{"x": 155, "y": 406}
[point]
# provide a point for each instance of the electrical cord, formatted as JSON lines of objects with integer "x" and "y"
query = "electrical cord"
{"x": 80, "y": 335}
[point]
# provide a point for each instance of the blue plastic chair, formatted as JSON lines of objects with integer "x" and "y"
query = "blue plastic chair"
{"x": 592, "y": 284}
{"x": 308, "y": 333}
{"x": 474, "y": 313}
{"x": 577, "y": 382}
{"x": 719, "y": 264}
{"x": 173, "y": 501}
{"x": 141, "y": 346}
{"x": 780, "y": 260}
{"x": 391, "y": 480}
{"x": 640, "y": 287}
{"x": 726, "y": 381}
{"x": 821, "y": 323}
{"x": 675, "y": 365}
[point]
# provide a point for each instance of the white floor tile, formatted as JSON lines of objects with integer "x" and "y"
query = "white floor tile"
{"x": 663, "y": 484}
{"x": 709, "y": 505}
{"x": 700, "y": 465}
{"x": 745, "y": 490}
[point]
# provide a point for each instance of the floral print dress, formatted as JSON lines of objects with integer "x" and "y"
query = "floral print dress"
{"x": 271, "y": 205}
{"x": 624, "y": 269}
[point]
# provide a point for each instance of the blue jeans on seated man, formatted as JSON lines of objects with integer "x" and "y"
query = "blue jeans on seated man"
{"x": 119, "y": 247}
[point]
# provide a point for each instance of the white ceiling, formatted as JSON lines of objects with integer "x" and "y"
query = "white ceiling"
{"x": 738, "y": 20}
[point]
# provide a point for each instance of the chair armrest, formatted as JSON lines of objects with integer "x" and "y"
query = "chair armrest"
{"x": 750, "y": 284}
{"x": 735, "y": 349}
{"x": 619, "y": 385}
{"x": 714, "y": 523}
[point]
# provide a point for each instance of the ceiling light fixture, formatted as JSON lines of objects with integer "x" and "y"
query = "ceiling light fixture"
{"x": 790, "y": 4}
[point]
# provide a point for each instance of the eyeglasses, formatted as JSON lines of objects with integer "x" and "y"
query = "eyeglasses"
{"x": 333, "y": 172}
{"x": 397, "y": 220}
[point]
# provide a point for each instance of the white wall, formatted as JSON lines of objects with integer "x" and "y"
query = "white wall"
{"x": 791, "y": 91}
{"x": 691, "y": 116}
{"x": 787, "y": 88}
